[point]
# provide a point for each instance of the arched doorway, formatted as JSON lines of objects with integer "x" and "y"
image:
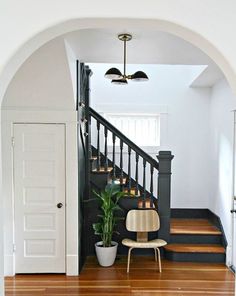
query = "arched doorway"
{"x": 184, "y": 33}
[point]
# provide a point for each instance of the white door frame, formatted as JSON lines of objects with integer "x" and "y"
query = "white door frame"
{"x": 233, "y": 200}
{"x": 69, "y": 119}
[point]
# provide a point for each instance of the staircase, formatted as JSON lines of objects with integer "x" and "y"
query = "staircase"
{"x": 195, "y": 240}
{"x": 142, "y": 177}
{"x": 145, "y": 180}
{"x": 189, "y": 238}
{"x": 137, "y": 161}
{"x": 136, "y": 195}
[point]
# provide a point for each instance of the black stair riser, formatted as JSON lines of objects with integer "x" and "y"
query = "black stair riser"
{"x": 195, "y": 239}
{"x": 195, "y": 257}
{"x": 190, "y": 213}
{"x": 100, "y": 180}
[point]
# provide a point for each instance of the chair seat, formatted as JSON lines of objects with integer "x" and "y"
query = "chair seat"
{"x": 156, "y": 243}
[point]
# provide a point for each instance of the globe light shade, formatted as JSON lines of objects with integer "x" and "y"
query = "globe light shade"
{"x": 119, "y": 81}
{"x": 113, "y": 73}
{"x": 139, "y": 76}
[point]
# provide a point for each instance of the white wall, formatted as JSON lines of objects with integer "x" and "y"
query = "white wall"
{"x": 73, "y": 69}
{"x": 167, "y": 15}
{"x": 221, "y": 146}
{"x": 184, "y": 122}
{"x": 42, "y": 91}
{"x": 43, "y": 81}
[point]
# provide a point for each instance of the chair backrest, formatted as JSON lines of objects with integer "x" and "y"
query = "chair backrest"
{"x": 142, "y": 221}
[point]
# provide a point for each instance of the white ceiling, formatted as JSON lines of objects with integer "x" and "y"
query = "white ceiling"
{"x": 146, "y": 47}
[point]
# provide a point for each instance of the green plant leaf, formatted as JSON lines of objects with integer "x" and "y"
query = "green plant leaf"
{"x": 97, "y": 228}
{"x": 109, "y": 198}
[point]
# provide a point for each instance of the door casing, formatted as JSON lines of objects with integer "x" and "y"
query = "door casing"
{"x": 69, "y": 119}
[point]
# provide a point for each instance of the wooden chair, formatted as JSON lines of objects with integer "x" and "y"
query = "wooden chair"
{"x": 142, "y": 222}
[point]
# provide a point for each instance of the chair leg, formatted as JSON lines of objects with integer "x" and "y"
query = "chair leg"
{"x": 155, "y": 254}
{"x": 128, "y": 262}
{"x": 159, "y": 259}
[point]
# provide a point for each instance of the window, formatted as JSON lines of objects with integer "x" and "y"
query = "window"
{"x": 142, "y": 129}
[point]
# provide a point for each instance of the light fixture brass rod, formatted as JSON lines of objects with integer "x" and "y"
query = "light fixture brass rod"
{"x": 124, "y": 58}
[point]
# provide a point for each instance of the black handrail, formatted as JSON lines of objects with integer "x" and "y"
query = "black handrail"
{"x": 126, "y": 140}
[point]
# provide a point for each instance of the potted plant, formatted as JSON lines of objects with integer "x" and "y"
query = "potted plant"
{"x": 106, "y": 249}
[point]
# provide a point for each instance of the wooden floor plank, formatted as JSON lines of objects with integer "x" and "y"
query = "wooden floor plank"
{"x": 177, "y": 278}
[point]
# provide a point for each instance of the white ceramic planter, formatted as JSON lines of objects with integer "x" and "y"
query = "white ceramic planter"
{"x": 106, "y": 256}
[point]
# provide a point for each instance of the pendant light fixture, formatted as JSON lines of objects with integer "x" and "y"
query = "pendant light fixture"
{"x": 122, "y": 79}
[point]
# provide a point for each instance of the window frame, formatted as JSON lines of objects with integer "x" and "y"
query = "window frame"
{"x": 149, "y": 148}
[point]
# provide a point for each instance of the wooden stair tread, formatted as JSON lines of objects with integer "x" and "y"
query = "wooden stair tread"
{"x": 102, "y": 170}
{"x": 117, "y": 181}
{"x": 93, "y": 158}
{"x": 195, "y": 248}
{"x": 193, "y": 226}
{"x": 190, "y": 221}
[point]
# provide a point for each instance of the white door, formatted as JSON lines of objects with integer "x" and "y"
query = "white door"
{"x": 39, "y": 196}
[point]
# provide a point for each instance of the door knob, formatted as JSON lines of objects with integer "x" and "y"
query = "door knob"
{"x": 60, "y": 205}
{"x": 232, "y": 211}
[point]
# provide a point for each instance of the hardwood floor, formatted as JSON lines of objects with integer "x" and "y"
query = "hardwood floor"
{"x": 177, "y": 278}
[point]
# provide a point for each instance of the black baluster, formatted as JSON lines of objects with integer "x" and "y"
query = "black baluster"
{"x": 105, "y": 152}
{"x": 129, "y": 170}
{"x": 144, "y": 180}
{"x": 151, "y": 184}
{"x": 136, "y": 175}
{"x": 121, "y": 165}
{"x": 98, "y": 147}
{"x": 113, "y": 156}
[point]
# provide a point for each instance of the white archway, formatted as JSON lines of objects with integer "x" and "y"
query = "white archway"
{"x": 40, "y": 39}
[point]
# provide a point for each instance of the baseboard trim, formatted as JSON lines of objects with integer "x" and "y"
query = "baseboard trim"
{"x": 9, "y": 265}
{"x": 232, "y": 268}
{"x": 215, "y": 220}
{"x": 72, "y": 265}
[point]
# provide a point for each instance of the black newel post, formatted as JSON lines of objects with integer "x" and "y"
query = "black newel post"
{"x": 164, "y": 191}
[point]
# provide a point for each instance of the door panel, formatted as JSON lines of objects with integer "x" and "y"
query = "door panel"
{"x": 39, "y": 185}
